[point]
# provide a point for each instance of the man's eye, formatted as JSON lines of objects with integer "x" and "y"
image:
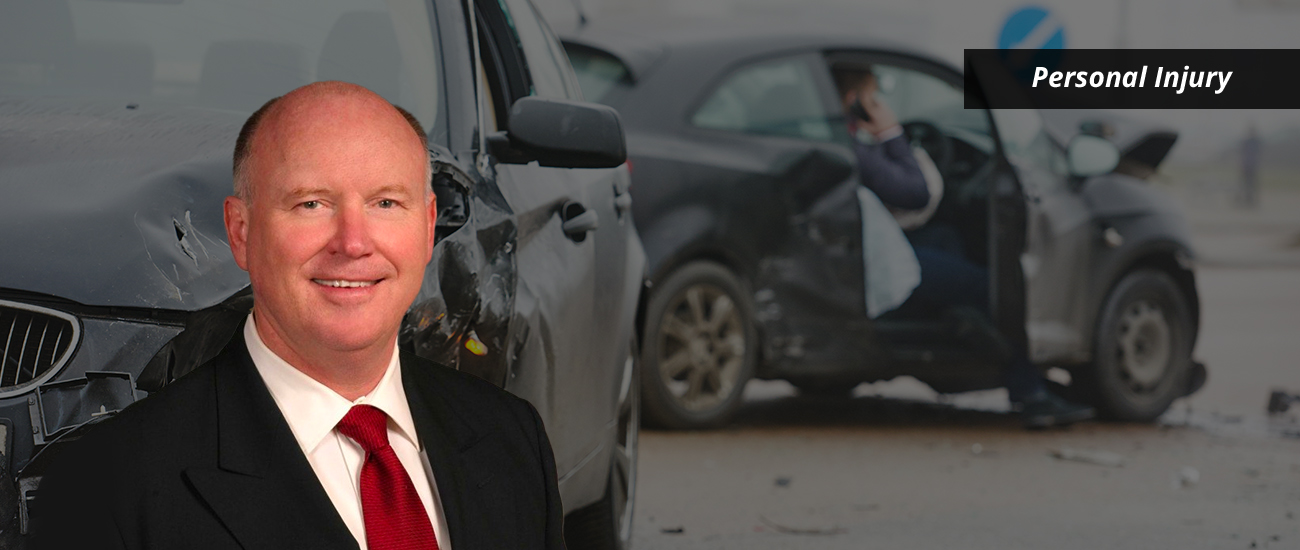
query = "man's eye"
{"x": 387, "y": 203}
{"x": 311, "y": 205}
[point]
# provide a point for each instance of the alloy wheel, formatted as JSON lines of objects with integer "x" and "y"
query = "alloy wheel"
{"x": 702, "y": 347}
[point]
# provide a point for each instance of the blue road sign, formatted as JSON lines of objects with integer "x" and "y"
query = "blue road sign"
{"x": 1032, "y": 28}
{"x": 1032, "y": 37}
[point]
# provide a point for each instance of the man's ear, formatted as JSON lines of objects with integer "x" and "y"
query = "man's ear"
{"x": 433, "y": 224}
{"x": 236, "y": 215}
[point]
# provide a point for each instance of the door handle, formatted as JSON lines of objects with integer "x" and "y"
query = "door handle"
{"x": 623, "y": 201}
{"x": 578, "y": 221}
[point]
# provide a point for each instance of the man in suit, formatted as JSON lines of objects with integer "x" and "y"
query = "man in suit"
{"x": 311, "y": 430}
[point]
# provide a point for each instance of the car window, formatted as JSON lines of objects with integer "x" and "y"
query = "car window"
{"x": 1025, "y": 138}
{"x": 778, "y": 98}
{"x": 559, "y": 55}
{"x": 220, "y": 54}
{"x": 599, "y": 73}
{"x": 917, "y": 96}
{"x": 544, "y": 61}
{"x": 489, "y": 104}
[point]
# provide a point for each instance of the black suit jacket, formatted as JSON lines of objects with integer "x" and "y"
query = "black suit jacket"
{"x": 210, "y": 462}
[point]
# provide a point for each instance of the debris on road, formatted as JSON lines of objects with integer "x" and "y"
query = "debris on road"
{"x": 1186, "y": 477}
{"x": 1279, "y": 401}
{"x": 1100, "y": 458}
{"x": 834, "y": 530}
{"x": 783, "y": 481}
{"x": 977, "y": 449}
{"x": 673, "y": 530}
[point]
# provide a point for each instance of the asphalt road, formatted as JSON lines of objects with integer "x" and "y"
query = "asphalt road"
{"x": 899, "y": 467}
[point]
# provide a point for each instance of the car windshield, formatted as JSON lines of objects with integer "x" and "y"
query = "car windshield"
{"x": 219, "y": 54}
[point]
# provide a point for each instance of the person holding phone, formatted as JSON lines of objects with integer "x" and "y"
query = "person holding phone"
{"x": 948, "y": 282}
{"x": 884, "y": 157}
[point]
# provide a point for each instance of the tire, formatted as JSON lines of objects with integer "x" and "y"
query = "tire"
{"x": 700, "y": 348}
{"x": 1142, "y": 349}
{"x": 607, "y": 524}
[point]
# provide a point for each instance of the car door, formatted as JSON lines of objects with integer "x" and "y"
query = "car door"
{"x": 568, "y": 331}
{"x": 1058, "y": 232}
{"x": 789, "y": 188}
{"x": 1041, "y": 233}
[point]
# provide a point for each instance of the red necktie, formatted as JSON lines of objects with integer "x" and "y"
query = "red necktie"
{"x": 394, "y": 516}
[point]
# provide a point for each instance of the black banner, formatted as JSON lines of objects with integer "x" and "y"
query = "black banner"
{"x": 1133, "y": 79}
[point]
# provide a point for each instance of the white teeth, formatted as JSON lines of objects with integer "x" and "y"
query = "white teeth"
{"x": 344, "y": 284}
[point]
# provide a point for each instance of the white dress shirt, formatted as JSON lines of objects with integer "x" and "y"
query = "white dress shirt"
{"x": 313, "y": 410}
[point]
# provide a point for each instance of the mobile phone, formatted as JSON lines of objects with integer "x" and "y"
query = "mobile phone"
{"x": 857, "y": 110}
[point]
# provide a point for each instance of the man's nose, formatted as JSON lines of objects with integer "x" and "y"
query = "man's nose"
{"x": 352, "y": 232}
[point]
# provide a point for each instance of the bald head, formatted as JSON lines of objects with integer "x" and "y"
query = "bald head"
{"x": 313, "y": 103}
{"x": 335, "y": 223}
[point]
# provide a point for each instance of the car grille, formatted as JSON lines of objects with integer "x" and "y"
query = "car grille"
{"x": 37, "y": 342}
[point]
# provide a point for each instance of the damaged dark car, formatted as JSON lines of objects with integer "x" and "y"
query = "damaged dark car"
{"x": 745, "y": 188}
{"x": 117, "y": 123}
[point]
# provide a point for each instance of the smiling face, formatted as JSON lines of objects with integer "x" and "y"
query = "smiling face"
{"x": 338, "y": 224}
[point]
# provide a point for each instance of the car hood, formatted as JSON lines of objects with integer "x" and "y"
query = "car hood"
{"x": 116, "y": 204}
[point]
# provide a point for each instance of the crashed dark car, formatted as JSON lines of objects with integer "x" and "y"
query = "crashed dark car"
{"x": 117, "y": 123}
{"x": 745, "y": 187}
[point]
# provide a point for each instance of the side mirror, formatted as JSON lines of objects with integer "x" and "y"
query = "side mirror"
{"x": 561, "y": 134}
{"x": 1089, "y": 156}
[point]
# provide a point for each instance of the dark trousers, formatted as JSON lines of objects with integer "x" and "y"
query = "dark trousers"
{"x": 949, "y": 280}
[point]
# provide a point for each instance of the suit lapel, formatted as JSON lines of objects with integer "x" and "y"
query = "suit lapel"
{"x": 448, "y": 439}
{"x": 263, "y": 490}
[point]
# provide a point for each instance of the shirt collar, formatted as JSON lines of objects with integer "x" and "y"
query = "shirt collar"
{"x": 311, "y": 408}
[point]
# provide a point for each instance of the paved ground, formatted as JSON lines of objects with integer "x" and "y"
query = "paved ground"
{"x": 898, "y": 467}
{"x": 872, "y": 474}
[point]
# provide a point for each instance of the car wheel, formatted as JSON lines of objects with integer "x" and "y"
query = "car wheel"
{"x": 700, "y": 348}
{"x": 607, "y": 524}
{"x": 1142, "y": 349}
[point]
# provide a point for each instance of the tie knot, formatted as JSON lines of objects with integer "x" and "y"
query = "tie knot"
{"x": 366, "y": 425}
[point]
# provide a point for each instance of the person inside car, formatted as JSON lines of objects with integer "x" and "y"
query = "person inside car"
{"x": 949, "y": 282}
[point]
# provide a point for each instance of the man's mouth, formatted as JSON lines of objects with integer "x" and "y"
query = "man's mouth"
{"x": 342, "y": 283}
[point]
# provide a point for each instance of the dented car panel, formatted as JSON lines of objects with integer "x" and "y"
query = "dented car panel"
{"x": 132, "y": 228}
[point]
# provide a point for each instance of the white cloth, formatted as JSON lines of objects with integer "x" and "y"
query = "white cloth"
{"x": 912, "y": 219}
{"x": 313, "y": 409}
{"x": 889, "y": 264}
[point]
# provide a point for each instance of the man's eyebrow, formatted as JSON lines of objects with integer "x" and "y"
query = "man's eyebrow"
{"x": 301, "y": 192}
{"x": 392, "y": 189}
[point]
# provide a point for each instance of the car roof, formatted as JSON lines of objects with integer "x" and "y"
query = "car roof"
{"x": 641, "y": 43}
